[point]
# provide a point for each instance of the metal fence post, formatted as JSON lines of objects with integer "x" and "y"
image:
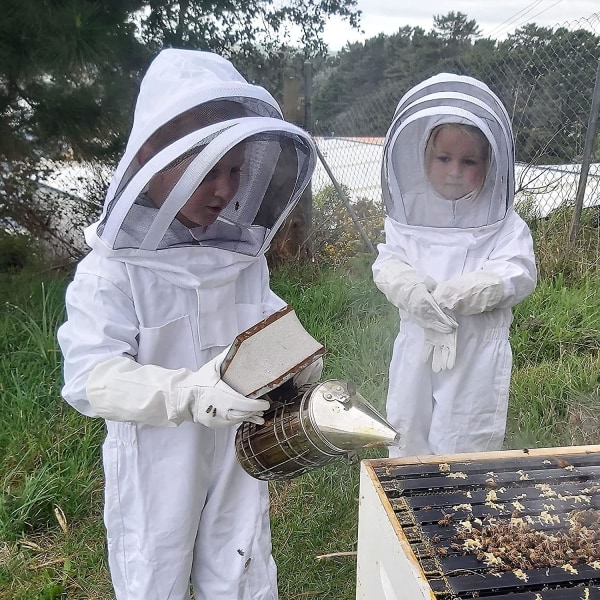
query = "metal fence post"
{"x": 587, "y": 155}
{"x": 308, "y": 117}
{"x": 308, "y": 126}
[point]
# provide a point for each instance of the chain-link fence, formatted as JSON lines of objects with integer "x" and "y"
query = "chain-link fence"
{"x": 546, "y": 78}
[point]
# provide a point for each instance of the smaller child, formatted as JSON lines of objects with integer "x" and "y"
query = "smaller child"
{"x": 456, "y": 259}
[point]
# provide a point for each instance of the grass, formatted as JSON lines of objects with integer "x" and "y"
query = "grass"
{"x": 51, "y": 533}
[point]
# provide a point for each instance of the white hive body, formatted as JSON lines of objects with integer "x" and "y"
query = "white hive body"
{"x": 463, "y": 526}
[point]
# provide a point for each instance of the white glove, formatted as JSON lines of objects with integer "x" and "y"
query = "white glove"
{"x": 122, "y": 390}
{"x": 470, "y": 293}
{"x": 404, "y": 288}
{"x": 440, "y": 348}
{"x": 310, "y": 374}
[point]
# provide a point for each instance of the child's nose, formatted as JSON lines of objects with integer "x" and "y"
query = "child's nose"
{"x": 224, "y": 187}
{"x": 455, "y": 168}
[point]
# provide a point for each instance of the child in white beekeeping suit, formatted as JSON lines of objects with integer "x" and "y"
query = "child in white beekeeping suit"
{"x": 176, "y": 271}
{"x": 456, "y": 259}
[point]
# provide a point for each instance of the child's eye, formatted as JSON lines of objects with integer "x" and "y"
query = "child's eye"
{"x": 470, "y": 162}
{"x": 443, "y": 159}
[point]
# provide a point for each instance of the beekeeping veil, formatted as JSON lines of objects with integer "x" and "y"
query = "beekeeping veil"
{"x": 193, "y": 107}
{"x": 409, "y": 197}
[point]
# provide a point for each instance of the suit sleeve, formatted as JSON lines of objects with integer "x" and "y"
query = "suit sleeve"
{"x": 101, "y": 324}
{"x": 513, "y": 260}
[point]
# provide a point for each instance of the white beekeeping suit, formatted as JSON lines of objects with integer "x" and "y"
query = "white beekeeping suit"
{"x": 153, "y": 307}
{"x": 455, "y": 268}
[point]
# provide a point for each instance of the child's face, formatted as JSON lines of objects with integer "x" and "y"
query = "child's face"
{"x": 211, "y": 196}
{"x": 457, "y": 163}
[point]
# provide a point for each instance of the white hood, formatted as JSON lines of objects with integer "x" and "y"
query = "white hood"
{"x": 408, "y": 196}
{"x": 196, "y": 104}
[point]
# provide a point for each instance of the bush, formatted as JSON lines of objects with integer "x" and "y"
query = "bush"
{"x": 17, "y": 251}
{"x": 557, "y": 256}
{"x": 335, "y": 237}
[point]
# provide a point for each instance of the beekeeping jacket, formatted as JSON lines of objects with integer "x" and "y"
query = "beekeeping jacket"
{"x": 155, "y": 294}
{"x": 477, "y": 249}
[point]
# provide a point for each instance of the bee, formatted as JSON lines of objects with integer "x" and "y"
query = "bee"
{"x": 442, "y": 551}
{"x": 514, "y": 556}
{"x": 445, "y": 520}
{"x": 236, "y": 205}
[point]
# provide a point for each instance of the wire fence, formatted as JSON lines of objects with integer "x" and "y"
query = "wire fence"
{"x": 547, "y": 82}
{"x": 548, "y": 86}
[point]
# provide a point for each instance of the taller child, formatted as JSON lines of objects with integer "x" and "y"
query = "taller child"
{"x": 456, "y": 259}
{"x": 176, "y": 270}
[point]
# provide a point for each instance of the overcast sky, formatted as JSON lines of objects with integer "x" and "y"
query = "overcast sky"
{"x": 496, "y": 18}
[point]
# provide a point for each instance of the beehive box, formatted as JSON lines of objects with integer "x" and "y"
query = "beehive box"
{"x": 511, "y": 525}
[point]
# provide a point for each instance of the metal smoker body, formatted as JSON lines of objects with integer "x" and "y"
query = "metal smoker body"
{"x": 327, "y": 421}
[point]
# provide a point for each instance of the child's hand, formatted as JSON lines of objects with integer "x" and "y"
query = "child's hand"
{"x": 440, "y": 348}
{"x": 470, "y": 293}
{"x": 407, "y": 290}
{"x": 208, "y": 400}
{"x": 421, "y": 305}
{"x": 122, "y": 390}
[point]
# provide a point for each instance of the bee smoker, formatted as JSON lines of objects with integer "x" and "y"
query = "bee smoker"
{"x": 306, "y": 427}
{"x": 310, "y": 429}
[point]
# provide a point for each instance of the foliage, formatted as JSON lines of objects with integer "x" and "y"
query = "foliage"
{"x": 67, "y": 78}
{"x": 241, "y": 26}
{"x": 53, "y": 219}
{"x": 455, "y": 27}
{"x": 385, "y": 66}
{"x": 335, "y": 237}
{"x": 69, "y": 71}
{"x": 549, "y": 129}
{"x": 16, "y": 251}
{"x": 559, "y": 259}
{"x": 66, "y": 71}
